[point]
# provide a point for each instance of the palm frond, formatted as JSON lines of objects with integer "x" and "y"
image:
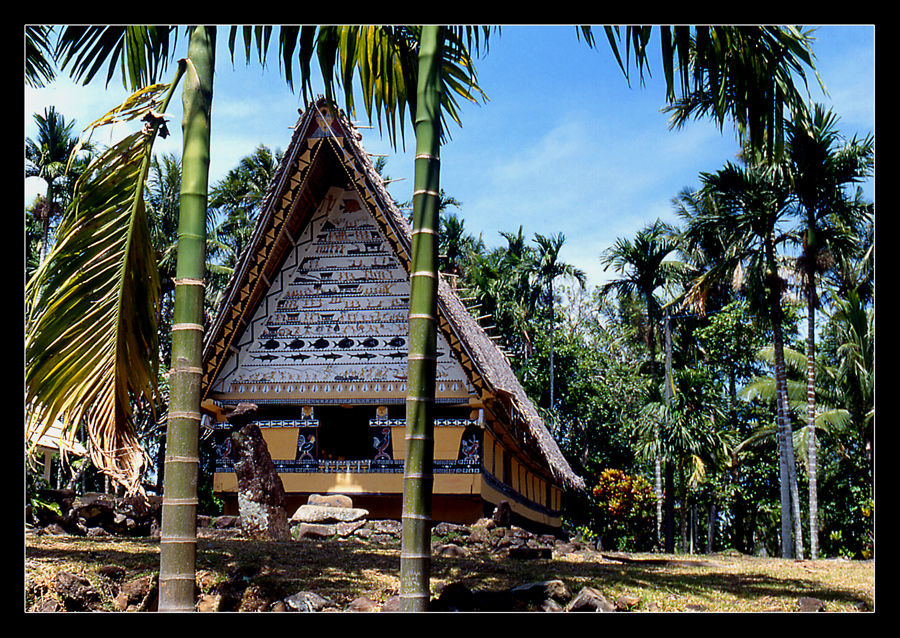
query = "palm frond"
{"x": 92, "y": 340}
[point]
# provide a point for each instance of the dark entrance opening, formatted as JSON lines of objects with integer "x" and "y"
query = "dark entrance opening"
{"x": 343, "y": 433}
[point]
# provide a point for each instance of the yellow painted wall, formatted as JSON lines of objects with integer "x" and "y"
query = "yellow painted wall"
{"x": 349, "y": 483}
{"x": 282, "y": 442}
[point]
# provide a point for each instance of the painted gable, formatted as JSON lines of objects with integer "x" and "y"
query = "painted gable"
{"x": 333, "y": 326}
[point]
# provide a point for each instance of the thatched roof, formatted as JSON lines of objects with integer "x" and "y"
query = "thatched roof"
{"x": 300, "y": 173}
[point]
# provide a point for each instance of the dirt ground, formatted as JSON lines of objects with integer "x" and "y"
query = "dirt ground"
{"x": 345, "y": 570}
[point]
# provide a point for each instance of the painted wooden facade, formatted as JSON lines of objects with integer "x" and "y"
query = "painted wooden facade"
{"x": 313, "y": 331}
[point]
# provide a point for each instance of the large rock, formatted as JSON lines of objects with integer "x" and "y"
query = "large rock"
{"x": 260, "y": 491}
{"x": 330, "y": 500}
{"x": 590, "y": 599}
{"x": 327, "y": 514}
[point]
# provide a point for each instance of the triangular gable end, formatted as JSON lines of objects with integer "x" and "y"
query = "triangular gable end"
{"x": 330, "y": 241}
{"x": 333, "y": 323}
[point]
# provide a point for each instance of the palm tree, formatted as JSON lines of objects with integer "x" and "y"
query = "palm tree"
{"x": 751, "y": 202}
{"x": 546, "y": 269}
{"x": 645, "y": 268}
{"x": 820, "y": 171}
{"x": 689, "y": 439}
{"x": 142, "y": 54}
{"x": 46, "y": 157}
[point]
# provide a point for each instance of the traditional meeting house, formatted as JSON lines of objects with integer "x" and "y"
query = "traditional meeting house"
{"x": 313, "y": 330}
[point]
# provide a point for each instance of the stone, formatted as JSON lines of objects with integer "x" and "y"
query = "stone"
{"x": 225, "y": 522}
{"x": 626, "y": 602}
{"x": 75, "y": 590}
{"x": 307, "y": 601}
{"x": 502, "y": 514}
{"x": 327, "y": 514}
{"x": 313, "y": 531}
{"x": 139, "y": 594}
{"x": 361, "y": 604}
{"x": 590, "y": 599}
{"x": 808, "y": 603}
{"x": 261, "y": 495}
{"x": 330, "y": 500}
{"x": 547, "y": 589}
{"x": 394, "y": 528}
{"x": 450, "y": 550}
{"x": 346, "y": 529}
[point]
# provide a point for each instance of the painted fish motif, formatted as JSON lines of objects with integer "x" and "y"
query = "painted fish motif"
{"x": 365, "y": 355}
{"x": 396, "y": 342}
{"x": 371, "y": 342}
{"x": 351, "y": 206}
{"x": 330, "y": 355}
{"x": 397, "y": 355}
{"x": 296, "y": 344}
{"x": 265, "y": 357}
{"x": 320, "y": 343}
{"x": 299, "y": 356}
{"x": 271, "y": 344}
{"x": 346, "y": 342}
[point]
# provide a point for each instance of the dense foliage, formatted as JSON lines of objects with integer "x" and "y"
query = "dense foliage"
{"x": 714, "y": 435}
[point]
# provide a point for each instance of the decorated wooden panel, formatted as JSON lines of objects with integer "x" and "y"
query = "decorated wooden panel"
{"x": 333, "y": 326}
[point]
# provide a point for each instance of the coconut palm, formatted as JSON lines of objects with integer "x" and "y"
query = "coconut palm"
{"x": 399, "y": 68}
{"x": 645, "y": 268}
{"x": 821, "y": 167}
{"x": 46, "y": 157}
{"x": 547, "y": 268}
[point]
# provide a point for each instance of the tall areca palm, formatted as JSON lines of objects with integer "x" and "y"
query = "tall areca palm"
{"x": 645, "y": 268}
{"x": 384, "y": 59}
{"x": 547, "y": 268}
{"x": 751, "y": 204}
{"x": 821, "y": 167}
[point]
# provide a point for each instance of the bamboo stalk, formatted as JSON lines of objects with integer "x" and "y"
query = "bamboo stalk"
{"x": 178, "y": 536}
{"x": 415, "y": 549}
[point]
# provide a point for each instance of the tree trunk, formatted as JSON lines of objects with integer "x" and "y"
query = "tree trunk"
{"x": 415, "y": 549}
{"x": 551, "y": 344}
{"x": 178, "y": 537}
{"x": 812, "y": 463}
{"x": 670, "y": 509}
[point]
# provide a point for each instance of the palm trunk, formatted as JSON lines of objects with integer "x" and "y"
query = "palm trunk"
{"x": 551, "y": 344}
{"x": 788, "y": 498}
{"x": 415, "y": 549}
{"x": 812, "y": 465}
{"x": 178, "y": 537}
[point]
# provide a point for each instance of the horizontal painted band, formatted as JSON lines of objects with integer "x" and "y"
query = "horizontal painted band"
{"x": 180, "y": 501}
{"x": 424, "y": 273}
{"x": 413, "y": 557}
{"x": 168, "y": 577}
{"x": 412, "y": 475}
{"x": 182, "y": 459}
{"x": 185, "y": 281}
{"x": 185, "y": 370}
{"x": 187, "y": 326}
{"x": 424, "y": 231}
{"x": 185, "y": 415}
{"x": 426, "y": 192}
{"x": 178, "y": 539}
{"x": 422, "y": 315}
{"x": 422, "y": 357}
{"x": 418, "y": 517}
{"x": 428, "y": 156}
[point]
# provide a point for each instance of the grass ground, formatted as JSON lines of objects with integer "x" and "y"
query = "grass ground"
{"x": 344, "y": 569}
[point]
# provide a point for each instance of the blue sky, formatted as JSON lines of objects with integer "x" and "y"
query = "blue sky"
{"x": 564, "y": 144}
